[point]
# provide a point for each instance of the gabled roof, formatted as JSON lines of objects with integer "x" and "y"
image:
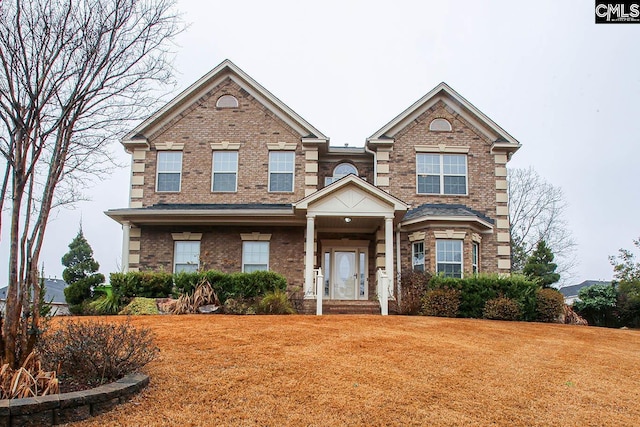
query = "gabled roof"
{"x": 572, "y": 291}
{"x": 445, "y": 93}
{"x": 447, "y": 212}
{"x": 226, "y": 69}
{"x": 352, "y": 180}
{"x": 54, "y": 291}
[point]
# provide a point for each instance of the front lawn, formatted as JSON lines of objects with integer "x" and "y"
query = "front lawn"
{"x": 372, "y": 370}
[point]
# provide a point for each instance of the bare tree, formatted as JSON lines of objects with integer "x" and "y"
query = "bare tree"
{"x": 73, "y": 75}
{"x": 536, "y": 210}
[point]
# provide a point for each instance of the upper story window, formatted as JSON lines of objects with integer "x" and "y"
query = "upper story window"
{"x": 281, "y": 167}
{"x": 169, "y": 171}
{"x": 255, "y": 256}
{"x": 227, "y": 101}
{"x": 441, "y": 173}
{"x": 440, "y": 125}
{"x": 225, "y": 171}
{"x": 417, "y": 256}
{"x": 449, "y": 257}
{"x": 340, "y": 171}
{"x": 186, "y": 256}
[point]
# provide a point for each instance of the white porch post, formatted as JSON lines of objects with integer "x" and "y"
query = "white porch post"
{"x": 126, "y": 227}
{"x": 388, "y": 251}
{"x": 308, "y": 257}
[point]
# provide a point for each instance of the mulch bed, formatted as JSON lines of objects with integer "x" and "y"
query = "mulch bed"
{"x": 372, "y": 370}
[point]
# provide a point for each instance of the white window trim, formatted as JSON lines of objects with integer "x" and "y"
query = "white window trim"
{"x": 158, "y": 171}
{"x": 451, "y": 263}
{"x": 442, "y": 175}
{"x": 266, "y": 242}
{"x": 440, "y": 120}
{"x": 213, "y": 171}
{"x": 293, "y": 172}
{"x": 475, "y": 263}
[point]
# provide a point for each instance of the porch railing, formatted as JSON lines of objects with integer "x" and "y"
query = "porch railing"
{"x": 382, "y": 289}
{"x": 318, "y": 289}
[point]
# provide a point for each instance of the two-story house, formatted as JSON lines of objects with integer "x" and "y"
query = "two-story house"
{"x": 228, "y": 177}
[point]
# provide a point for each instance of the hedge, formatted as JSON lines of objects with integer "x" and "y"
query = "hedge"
{"x": 476, "y": 290}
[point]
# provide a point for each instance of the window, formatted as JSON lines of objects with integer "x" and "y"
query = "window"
{"x": 227, "y": 101}
{"x": 440, "y": 125}
{"x": 340, "y": 171}
{"x": 169, "y": 170}
{"x": 281, "y": 165}
{"x": 417, "y": 256}
{"x": 186, "y": 256}
{"x": 255, "y": 256}
{"x": 441, "y": 173}
{"x": 225, "y": 171}
{"x": 475, "y": 253}
{"x": 449, "y": 257}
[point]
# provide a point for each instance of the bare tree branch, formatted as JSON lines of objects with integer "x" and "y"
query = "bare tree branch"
{"x": 73, "y": 75}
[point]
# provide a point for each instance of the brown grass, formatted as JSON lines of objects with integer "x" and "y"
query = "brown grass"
{"x": 382, "y": 371}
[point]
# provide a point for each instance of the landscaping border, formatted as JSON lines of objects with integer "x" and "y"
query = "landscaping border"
{"x": 68, "y": 407}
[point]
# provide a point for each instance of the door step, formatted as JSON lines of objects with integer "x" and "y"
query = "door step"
{"x": 342, "y": 307}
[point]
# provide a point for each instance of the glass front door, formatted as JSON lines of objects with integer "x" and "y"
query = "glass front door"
{"x": 345, "y": 272}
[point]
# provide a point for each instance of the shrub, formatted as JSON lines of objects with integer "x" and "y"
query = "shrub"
{"x": 96, "y": 352}
{"x": 79, "y": 292}
{"x": 107, "y": 303}
{"x": 549, "y": 305}
{"x": 501, "y": 308}
{"x": 239, "y": 306}
{"x": 202, "y": 295}
{"x": 476, "y": 290}
{"x": 140, "y": 306}
{"x": 441, "y": 302}
{"x": 276, "y": 302}
{"x": 597, "y": 304}
{"x": 234, "y": 285}
{"x": 141, "y": 284}
{"x": 413, "y": 286}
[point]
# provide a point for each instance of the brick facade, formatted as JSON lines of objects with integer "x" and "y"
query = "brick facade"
{"x": 193, "y": 125}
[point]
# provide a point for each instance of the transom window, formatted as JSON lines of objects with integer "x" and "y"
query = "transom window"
{"x": 227, "y": 101}
{"x": 255, "y": 256}
{"x": 441, "y": 173}
{"x": 169, "y": 171}
{"x": 186, "y": 256}
{"x": 449, "y": 257}
{"x": 340, "y": 171}
{"x": 281, "y": 166}
{"x": 225, "y": 171}
{"x": 417, "y": 256}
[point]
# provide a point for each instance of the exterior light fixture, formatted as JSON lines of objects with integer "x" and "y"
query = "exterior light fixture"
{"x": 347, "y": 219}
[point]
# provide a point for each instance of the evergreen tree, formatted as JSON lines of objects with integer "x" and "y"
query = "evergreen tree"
{"x": 81, "y": 273}
{"x": 540, "y": 266}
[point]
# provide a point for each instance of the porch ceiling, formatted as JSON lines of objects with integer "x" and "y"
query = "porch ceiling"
{"x": 329, "y": 224}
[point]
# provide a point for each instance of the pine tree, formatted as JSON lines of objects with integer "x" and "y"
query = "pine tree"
{"x": 540, "y": 266}
{"x": 81, "y": 273}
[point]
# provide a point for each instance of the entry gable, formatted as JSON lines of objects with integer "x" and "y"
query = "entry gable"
{"x": 351, "y": 196}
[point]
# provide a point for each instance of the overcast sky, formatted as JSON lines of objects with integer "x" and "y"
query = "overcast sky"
{"x": 566, "y": 88}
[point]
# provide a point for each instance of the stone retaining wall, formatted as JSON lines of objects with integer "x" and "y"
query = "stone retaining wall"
{"x": 68, "y": 407}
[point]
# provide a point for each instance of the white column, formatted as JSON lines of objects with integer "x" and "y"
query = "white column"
{"x": 308, "y": 256}
{"x": 388, "y": 251}
{"x": 126, "y": 227}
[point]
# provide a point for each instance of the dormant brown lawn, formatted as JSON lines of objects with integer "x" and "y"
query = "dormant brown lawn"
{"x": 382, "y": 371}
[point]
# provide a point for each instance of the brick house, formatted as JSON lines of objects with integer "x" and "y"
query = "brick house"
{"x": 228, "y": 177}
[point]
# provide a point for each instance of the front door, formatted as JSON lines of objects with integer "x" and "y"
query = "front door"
{"x": 346, "y": 274}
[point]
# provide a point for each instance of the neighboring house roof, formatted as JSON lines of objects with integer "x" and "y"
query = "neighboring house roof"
{"x": 447, "y": 212}
{"x": 54, "y": 291}
{"x": 225, "y": 70}
{"x": 500, "y": 138}
{"x": 572, "y": 291}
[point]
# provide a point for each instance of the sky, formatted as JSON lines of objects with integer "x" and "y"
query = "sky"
{"x": 566, "y": 88}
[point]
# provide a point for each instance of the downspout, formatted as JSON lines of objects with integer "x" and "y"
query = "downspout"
{"x": 375, "y": 163}
{"x": 398, "y": 268}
